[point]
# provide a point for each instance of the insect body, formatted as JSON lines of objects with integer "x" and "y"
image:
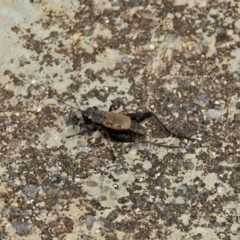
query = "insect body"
{"x": 118, "y": 126}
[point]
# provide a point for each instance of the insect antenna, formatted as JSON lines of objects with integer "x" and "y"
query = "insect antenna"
{"x": 75, "y": 100}
{"x": 110, "y": 147}
{"x": 57, "y": 99}
{"x": 165, "y": 127}
{"x": 161, "y": 144}
{"x": 172, "y": 132}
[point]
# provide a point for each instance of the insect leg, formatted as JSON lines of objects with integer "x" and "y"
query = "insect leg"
{"x": 113, "y": 107}
{"x": 122, "y": 137}
{"x": 88, "y": 128}
{"x": 111, "y": 149}
{"x": 162, "y": 144}
{"x": 169, "y": 130}
{"x": 73, "y": 135}
{"x": 106, "y": 135}
{"x": 116, "y": 103}
{"x": 140, "y": 116}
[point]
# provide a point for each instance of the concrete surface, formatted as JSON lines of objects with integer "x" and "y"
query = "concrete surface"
{"x": 180, "y": 59}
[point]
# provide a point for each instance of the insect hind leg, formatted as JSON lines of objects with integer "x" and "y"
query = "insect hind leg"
{"x": 122, "y": 137}
{"x": 140, "y": 116}
{"x": 107, "y": 136}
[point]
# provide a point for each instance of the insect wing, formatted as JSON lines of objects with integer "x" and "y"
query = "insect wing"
{"x": 117, "y": 121}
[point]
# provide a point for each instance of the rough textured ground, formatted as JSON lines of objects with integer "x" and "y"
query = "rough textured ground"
{"x": 178, "y": 58}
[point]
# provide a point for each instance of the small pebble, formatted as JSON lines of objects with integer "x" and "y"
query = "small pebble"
{"x": 180, "y": 200}
{"x": 213, "y": 113}
{"x": 221, "y": 190}
{"x": 181, "y": 190}
{"x": 89, "y": 221}
{"x": 22, "y": 228}
{"x": 31, "y": 190}
{"x": 202, "y": 100}
{"x": 126, "y": 59}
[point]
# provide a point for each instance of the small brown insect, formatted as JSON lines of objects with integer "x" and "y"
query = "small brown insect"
{"x": 123, "y": 127}
{"x": 120, "y": 127}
